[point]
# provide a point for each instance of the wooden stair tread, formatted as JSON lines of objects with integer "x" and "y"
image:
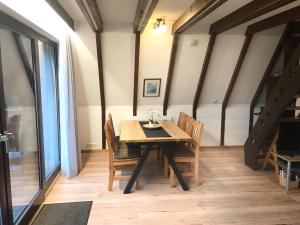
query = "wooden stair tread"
{"x": 289, "y": 119}
{"x": 293, "y": 108}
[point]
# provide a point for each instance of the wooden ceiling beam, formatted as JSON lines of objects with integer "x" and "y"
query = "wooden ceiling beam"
{"x": 95, "y": 14}
{"x": 232, "y": 83}
{"x": 62, "y": 13}
{"x": 279, "y": 19}
{"x": 198, "y": 10}
{"x": 268, "y": 71}
{"x": 208, "y": 53}
{"x": 86, "y": 14}
{"x": 148, "y": 15}
{"x": 246, "y": 13}
{"x": 139, "y": 14}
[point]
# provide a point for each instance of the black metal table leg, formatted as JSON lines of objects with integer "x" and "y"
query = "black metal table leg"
{"x": 171, "y": 161}
{"x": 137, "y": 170}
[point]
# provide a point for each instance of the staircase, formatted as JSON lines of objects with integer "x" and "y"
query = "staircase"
{"x": 278, "y": 104}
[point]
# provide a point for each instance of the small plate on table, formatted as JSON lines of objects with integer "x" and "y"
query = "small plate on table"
{"x": 152, "y": 126}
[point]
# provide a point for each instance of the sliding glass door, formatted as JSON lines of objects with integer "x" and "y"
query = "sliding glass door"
{"x": 29, "y": 115}
{"x": 20, "y": 123}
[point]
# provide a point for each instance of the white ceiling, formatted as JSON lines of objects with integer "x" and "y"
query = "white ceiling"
{"x": 117, "y": 11}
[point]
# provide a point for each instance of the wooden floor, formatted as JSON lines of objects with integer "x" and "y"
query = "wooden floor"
{"x": 230, "y": 193}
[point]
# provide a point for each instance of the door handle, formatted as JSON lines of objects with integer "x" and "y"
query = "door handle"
{"x": 7, "y": 137}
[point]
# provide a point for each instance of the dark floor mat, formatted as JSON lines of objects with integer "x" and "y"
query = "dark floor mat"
{"x": 71, "y": 213}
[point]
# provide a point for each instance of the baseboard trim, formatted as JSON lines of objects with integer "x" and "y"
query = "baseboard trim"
{"x": 92, "y": 150}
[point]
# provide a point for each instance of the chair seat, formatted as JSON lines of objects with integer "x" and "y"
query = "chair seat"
{"x": 124, "y": 152}
{"x": 181, "y": 150}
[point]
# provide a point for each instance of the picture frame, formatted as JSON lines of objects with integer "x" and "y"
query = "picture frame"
{"x": 151, "y": 87}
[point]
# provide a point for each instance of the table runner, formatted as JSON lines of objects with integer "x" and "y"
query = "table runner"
{"x": 150, "y": 133}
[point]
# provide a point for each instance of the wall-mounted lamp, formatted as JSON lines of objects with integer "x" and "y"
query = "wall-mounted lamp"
{"x": 160, "y": 25}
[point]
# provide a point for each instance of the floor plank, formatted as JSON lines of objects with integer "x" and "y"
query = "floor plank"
{"x": 230, "y": 193}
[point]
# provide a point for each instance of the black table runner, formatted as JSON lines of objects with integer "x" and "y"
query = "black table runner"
{"x": 151, "y": 133}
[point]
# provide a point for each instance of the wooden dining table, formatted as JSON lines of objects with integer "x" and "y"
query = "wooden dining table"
{"x": 131, "y": 131}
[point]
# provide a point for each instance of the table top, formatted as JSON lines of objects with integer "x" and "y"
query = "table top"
{"x": 131, "y": 131}
{"x": 295, "y": 158}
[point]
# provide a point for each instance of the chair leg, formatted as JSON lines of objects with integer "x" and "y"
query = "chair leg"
{"x": 172, "y": 178}
{"x": 166, "y": 167}
{"x": 111, "y": 178}
{"x": 138, "y": 183}
{"x": 197, "y": 173}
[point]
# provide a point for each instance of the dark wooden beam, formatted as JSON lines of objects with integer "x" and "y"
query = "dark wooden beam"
{"x": 86, "y": 14}
{"x": 246, "y": 13}
{"x": 279, "y": 19}
{"x": 101, "y": 84}
{"x": 148, "y": 15}
{"x": 95, "y": 14}
{"x": 136, "y": 71}
{"x": 24, "y": 59}
{"x": 203, "y": 73}
{"x": 268, "y": 71}
{"x": 139, "y": 14}
{"x": 232, "y": 83}
{"x": 198, "y": 10}
{"x": 170, "y": 73}
{"x": 62, "y": 13}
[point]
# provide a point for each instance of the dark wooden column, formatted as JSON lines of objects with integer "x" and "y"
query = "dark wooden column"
{"x": 136, "y": 71}
{"x": 203, "y": 73}
{"x": 101, "y": 84}
{"x": 170, "y": 73}
{"x": 232, "y": 83}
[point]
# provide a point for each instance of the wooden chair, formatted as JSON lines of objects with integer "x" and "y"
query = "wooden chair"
{"x": 188, "y": 128}
{"x": 270, "y": 158}
{"x": 189, "y": 154}
{"x": 189, "y": 125}
{"x": 182, "y": 120}
{"x": 119, "y": 157}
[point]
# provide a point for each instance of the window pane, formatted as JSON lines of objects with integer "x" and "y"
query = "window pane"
{"x": 49, "y": 107}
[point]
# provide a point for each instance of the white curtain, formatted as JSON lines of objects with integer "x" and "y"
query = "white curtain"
{"x": 70, "y": 152}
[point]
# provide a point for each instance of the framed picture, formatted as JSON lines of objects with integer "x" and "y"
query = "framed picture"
{"x": 151, "y": 87}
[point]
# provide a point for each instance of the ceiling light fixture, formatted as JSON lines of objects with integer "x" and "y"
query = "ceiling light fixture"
{"x": 160, "y": 25}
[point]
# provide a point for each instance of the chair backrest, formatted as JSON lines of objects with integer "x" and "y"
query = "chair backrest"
{"x": 110, "y": 142}
{"x": 110, "y": 124}
{"x": 181, "y": 120}
{"x": 196, "y": 135}
{"x": 189, "y": 125}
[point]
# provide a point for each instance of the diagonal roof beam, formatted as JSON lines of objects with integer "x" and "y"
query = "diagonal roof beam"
{"x": 246, "y": 13}
{"x": 279, "y": 19}
{"x": 198, "y": 10}
{"x": 25, "y": 60}
{"x": 233, "y": 79}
